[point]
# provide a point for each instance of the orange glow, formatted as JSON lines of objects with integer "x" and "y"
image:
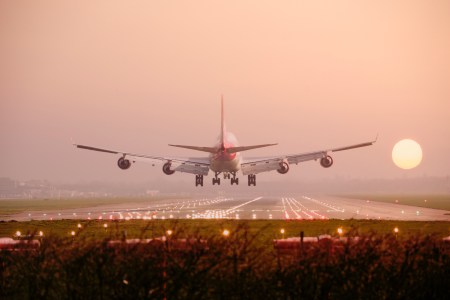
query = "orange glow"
{"x": 304, "y": 74}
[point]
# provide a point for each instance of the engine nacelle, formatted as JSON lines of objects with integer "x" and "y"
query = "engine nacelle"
{"x": 284, "y": 167}
{"x": 166, "y": 169}
{"x": 326, "y": 161}
{"x": 124, "y": 163}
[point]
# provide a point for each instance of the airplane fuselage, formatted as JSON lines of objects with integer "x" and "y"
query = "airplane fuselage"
{"x": 223, "y": 161}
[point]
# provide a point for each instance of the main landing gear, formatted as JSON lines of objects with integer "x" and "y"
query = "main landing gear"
{"x": 198, "y": 180}
{"x": 234, "y": 180}
{"x": 230, "y": 175}
{"x": 251, "y": 180}
{"x": 227, "y": 175}
{"x": 216, "y": 179}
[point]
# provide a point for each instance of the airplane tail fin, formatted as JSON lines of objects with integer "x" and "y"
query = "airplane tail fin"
{"x": 222, "y": 126}
{"x": 222, "y": 140}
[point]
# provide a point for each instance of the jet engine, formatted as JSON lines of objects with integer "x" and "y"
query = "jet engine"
{"x": 166, "y": 169}
{"x": 123, "y": 163}
{"x": 284, "y": 167}
{"x": 326, "y": 161}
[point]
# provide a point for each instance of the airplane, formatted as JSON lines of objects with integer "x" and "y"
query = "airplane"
{"x": 225, "y": 158}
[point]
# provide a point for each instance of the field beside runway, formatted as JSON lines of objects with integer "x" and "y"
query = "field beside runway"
{"x": 267, "y": 229}
{"x": 421, "y": 200}
{"x": 10, "y": 207}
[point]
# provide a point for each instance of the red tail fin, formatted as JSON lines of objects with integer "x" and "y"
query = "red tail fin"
{"x": 222, "y": 129}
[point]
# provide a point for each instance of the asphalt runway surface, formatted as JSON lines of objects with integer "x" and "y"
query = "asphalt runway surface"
{"x": 301, "y": 207}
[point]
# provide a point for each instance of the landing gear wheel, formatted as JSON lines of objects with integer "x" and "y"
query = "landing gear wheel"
{"x": 216, "y": 179}
{"x": 234, "y": 180}
{"x": 198, "y": 180}
{"x": 251, "y": 180}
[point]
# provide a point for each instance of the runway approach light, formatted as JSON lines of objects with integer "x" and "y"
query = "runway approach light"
{"x": 226, "y": 233}
{"x": 340, "y": 231}
{"x": 73, "y": 233}
{"x": 396, "y": 230}
{"x": 169, "y": 232}
{"x": 105, "y": 226}
{"x": 79, "y": 225}
{"x": 18, "y": 233}
{"x": 41, "y": 233}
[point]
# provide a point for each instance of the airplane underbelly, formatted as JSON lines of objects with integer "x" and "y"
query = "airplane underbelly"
{"x": 225, "y": 165}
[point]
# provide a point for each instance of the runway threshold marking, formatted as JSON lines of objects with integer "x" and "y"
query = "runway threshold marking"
{"x": 338, "y": 209}
{"x": 286, "y": 215}
{"x": 288, "y": 201}
{"x": 305, "y": 209}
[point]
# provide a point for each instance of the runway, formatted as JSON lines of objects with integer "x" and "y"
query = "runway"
{"x": 301, "y": 207}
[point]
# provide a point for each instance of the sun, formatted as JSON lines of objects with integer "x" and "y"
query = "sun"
{"x": 407, "y": 154}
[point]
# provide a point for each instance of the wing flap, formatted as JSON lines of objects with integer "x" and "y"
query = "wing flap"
{"x": 295, "y": 159}
{"x": 188, "y": 167}
{"x": 260, "y": 166}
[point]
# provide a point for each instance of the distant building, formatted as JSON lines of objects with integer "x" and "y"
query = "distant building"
{"x": 9, "y": 188}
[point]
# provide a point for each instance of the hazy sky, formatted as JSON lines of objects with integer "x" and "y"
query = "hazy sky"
{"x": 138, "y": 75}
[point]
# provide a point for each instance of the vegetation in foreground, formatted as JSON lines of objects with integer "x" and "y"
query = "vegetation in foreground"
{"x": 237, "y": 266}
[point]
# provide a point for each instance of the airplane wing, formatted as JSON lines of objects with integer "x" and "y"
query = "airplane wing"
{"x": 193, "y": 165}
{"x": 259, "y": 165}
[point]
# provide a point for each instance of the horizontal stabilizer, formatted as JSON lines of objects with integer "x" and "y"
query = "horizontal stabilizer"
{"x": 204, "y": 149}
{"x": 245, "y": 148}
